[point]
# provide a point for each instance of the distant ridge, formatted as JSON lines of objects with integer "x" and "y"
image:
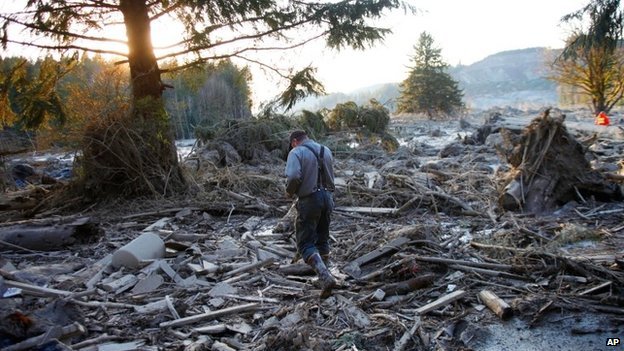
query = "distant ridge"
{"x": 515, "y": 78}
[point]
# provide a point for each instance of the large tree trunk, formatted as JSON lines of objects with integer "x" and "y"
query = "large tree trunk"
{"x": 134, "y": 152}
{"x": 144, "y": 70}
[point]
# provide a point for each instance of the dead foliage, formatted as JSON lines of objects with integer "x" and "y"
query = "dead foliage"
{"x": 123, "y": 156}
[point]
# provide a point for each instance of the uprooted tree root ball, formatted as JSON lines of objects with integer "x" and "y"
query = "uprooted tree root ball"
{"x": 550, "y": 169}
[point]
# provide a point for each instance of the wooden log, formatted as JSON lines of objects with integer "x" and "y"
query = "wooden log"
{"x": 273, "y": 248}
{"x": 37, "y": 290}
{"x": 152, "y": 307}
{"x": 388, "y": 267}
{"x": 121, "y": 284}
{"x": 95, "y": 341}
{"x": 497, "y": 247}
{"x": 488, "y": 272}
{"x": 367, "y": 210}
{"x": 277, "y": 280}
{"x": 402, "y": 342}
{"x": 251, "y": 298}
{"x": 211, "y": 329}
{"x": 387, "y": 249}
{"x": 447, "y": 261}
{"x": 22, "y": 200}
{"x": 210, "y": 315}
{"x": 100, "y": 304}
{"x": 513, "y": 196}
{"x": 249, "y": 267}
{"x": 442, "y": 301}
{"x": 125, "y": 346}
{"x": 619, "y": 178}
{"x": 296, "y": 269}
{"x": 406, "y": 286}
{"x": 596, "y": 288}
{"x": 46, "y": 238}
{"x": 54, "y": 333}
{"x": 219, "y": 346}
{"x": 496, "y": 304}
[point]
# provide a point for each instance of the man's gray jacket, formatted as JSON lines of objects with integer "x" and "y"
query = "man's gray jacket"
{"x": 302, "y": 170}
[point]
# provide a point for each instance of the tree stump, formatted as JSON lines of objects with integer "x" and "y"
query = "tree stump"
{"x": 550, "y": 169}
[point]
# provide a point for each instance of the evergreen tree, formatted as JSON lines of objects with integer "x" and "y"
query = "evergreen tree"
{"x": 133, "y": 153}
{"x": 429, "y": 88}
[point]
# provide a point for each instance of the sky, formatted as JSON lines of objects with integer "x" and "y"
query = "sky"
{"x": 466, "y": 31}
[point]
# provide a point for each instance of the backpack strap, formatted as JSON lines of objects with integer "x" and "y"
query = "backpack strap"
{"x": 320, "y": 183}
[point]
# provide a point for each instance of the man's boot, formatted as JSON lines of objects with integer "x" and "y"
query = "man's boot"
{"x": 325, "y": 258}
{"x": 326, "y": 279}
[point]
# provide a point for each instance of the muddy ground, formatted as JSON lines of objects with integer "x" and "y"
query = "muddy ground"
{"x": 419, "y": 244}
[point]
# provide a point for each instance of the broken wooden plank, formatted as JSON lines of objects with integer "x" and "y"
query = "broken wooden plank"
{"x": 353, "y": 268}
{"x": 121, "y": 284}
{"x": 409, "y": 285}
{"x": 156, "y": 306}
{"x": 100, "y": 304}
{"x": 596, "y": 288}
{"x": 496, "y": 304}
{"x": 211, "y": 329}
{"x": 448, "y": 261}
{"x": 210, "y": 315}
{"x": 171, "y": 307}
{"x": 95, "y": 341}
{"x": 170, "y": 272}
{"x": 402, "y": 342}
{"x": 251, "y": 298}
{"x": 36, "y": 290}
{"x": 488, "y": 272}
{"x": 126, "y": 346}
{"x": 387, "y": 249}
{"x": 296, "y": 269}
{"x": 249, "y": 267}
{"x": 367, "y": 210}
{"x": 204, "y": 267}
{"x": 100, "y": 267}
{"x": 442, "y": 301}
{"x": 148, "y": 284}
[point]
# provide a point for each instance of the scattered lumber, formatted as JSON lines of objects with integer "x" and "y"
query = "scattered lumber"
{"x": 410, "y": 285}
{"x": 353, "y": 268}
{"x": 401, "y": 344}
{"x": 245, "y": 308}
{"x": 54, "y": 333}
{"x": 409, "y": 267}
{"x": 442, "y": 301}
{"x": 366, "y": 210}
{"x": 496, "y": 304}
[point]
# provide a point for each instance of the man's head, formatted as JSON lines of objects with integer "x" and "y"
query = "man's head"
{"x": 296, "y": 138}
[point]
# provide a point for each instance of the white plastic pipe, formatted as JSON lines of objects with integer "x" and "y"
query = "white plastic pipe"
{"x": 147, "y": 246}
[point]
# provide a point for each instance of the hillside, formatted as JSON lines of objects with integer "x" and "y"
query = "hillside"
{"x": 513, "y": 78}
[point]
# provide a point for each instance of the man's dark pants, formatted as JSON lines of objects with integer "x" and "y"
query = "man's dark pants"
{"x": 312, "y": 225}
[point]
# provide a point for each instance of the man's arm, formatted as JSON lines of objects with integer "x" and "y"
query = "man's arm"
{"x": 293, "y": 174}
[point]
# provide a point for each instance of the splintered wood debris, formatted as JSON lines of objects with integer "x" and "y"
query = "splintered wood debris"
{"x": 424, "y": 257}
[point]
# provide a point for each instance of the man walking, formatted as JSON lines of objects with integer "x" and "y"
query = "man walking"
{"x": 310, "y": 177}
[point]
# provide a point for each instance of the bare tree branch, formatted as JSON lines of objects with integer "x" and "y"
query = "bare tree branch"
{"x": 67, "y": 47}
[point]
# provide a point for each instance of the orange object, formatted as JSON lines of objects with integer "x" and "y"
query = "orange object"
{"x": 602, "y": 119}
